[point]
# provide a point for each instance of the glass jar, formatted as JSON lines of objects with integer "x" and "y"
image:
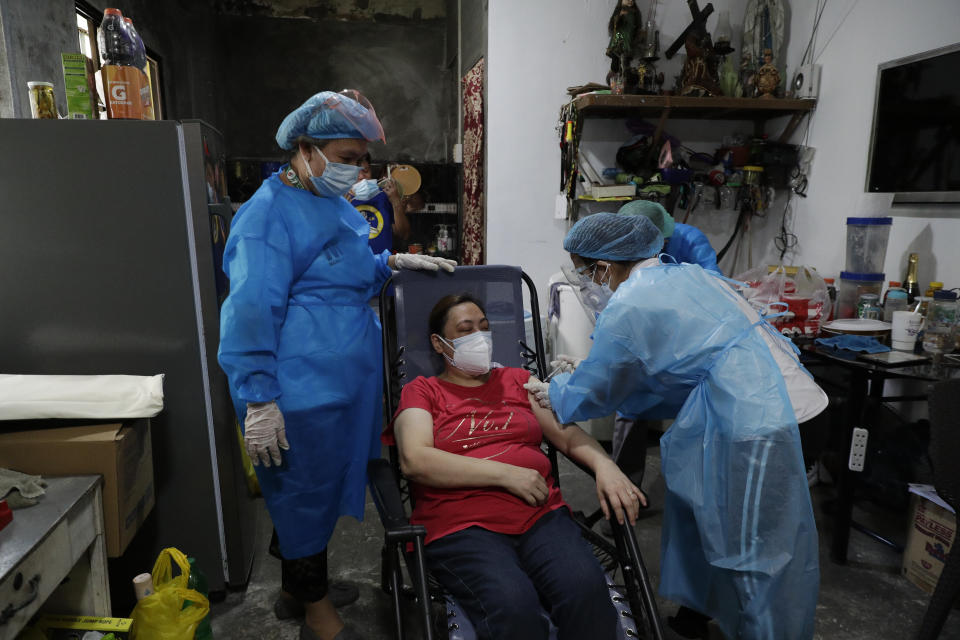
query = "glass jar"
{"x": 941, "y": 323}
{"x": 868, "y": 307}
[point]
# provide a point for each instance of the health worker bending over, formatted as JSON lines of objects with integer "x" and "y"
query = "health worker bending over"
{"x": 300, "y": 344}
{"x": 499, "y": 535}
{"x": 739, "y": 541}
{"x": 683, "y": 242}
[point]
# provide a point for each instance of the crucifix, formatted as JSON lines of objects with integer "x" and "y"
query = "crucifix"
{"x": 699, "y": 23}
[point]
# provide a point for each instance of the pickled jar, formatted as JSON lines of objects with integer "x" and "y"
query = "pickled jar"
{"x": 42, "y": 103}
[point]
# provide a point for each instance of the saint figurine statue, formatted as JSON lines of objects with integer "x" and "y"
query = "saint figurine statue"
{"x": 624, "y": 28}
{"x": 699, "y": 74}
{"x": 768, "y": 78}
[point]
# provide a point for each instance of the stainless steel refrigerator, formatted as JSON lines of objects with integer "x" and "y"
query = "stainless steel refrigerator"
{"x": 110, "y": 236}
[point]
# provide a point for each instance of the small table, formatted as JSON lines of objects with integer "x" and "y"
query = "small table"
{"x": 866, "y": 381}
{"x": 53, "y": 556}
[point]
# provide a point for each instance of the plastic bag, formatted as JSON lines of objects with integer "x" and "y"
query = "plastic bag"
{"x": 172, "y": 611}
{"x": 802, "y": 298}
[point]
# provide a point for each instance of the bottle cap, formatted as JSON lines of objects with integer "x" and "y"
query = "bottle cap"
{"x": 112, "y": 12}
{"x": 828, "y": 280}
{"x": 936, "y": 285}
{"x": 894, "y": 283}
{"x": 869, "y": 221}
{"x": 944, "y": 295}
{"x": 864, "y": 277}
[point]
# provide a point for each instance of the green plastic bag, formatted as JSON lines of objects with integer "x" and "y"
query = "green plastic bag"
{"x": 172, "y": 611}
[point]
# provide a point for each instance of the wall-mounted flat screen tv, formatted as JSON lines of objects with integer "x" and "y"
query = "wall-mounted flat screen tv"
{"x": 915, "y": 142}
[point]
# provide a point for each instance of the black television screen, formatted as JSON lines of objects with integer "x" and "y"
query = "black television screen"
{"x": 915, "y": 145}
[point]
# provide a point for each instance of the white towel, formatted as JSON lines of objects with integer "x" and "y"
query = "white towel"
{"x": 83, "y": 397}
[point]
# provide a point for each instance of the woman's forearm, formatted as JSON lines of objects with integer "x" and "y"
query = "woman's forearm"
{"x": 435, "y": 468}
{"x": 581, "y": 447}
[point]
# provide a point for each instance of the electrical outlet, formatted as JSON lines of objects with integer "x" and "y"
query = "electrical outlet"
{"x": 858, "y": 449}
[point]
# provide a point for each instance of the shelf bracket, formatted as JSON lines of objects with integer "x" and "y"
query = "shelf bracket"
{"x": 658, "y": 133}
{"x": 792, "y": 125}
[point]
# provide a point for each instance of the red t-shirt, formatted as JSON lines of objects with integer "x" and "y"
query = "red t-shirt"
{"x": 492, "y": 421}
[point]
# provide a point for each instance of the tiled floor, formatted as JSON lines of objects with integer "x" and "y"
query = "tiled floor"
{"x": 866, "y": 599}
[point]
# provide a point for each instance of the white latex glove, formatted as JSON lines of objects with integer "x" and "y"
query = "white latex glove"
{"x": 540, "y": 391}
{"x": 566, "y": 364}
{"x": 420, "y": 262}
{"x": 264, "y": 433}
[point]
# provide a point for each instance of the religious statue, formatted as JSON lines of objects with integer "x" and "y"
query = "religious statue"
{"x": 768, "y": 78}
{"x": 624, "y": 29}
{"x": 699, "y": 75}
{"x": 748, "y": 76}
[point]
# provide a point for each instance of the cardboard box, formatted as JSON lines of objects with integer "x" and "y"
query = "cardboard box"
{"x": 121, "y": 453}
{"x": 79, "y": 103}
{"x": 932, "y": 529}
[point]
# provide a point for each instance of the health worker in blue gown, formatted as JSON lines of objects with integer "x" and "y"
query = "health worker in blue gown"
{"x": 682, "y": 242}
{"x": 301, "y": 345}
{"x": 739, "y": 541}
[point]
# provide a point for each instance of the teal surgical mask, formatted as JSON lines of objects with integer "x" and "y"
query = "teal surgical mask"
{"x": 336, "y": 180}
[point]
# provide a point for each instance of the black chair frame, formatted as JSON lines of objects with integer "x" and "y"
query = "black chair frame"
{"x": 399, "y": 534}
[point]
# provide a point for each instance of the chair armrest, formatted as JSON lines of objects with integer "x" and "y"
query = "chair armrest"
{"x": 386, "y": 495}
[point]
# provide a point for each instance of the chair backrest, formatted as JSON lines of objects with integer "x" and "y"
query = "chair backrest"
{"x": 500, "y": 288}
{"x": 944, "y": 404}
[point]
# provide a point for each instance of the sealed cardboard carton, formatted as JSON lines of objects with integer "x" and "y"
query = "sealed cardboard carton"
{"x": 932, "y": 530}
{"x": 121, "y": 453}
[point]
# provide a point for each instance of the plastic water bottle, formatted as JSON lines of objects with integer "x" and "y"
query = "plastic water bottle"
{"x": 116, "y": 45}
{"x": 198, "y": 582}
{"x": 139, "y": 50}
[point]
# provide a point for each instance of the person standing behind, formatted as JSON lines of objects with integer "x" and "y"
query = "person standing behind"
{"x": 682, "y": 242}
{"x": 300, "y": 345}
{"x": 382, "y": 206}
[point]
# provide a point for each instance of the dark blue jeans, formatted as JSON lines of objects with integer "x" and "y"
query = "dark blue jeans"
{"x": 504, "y": 581}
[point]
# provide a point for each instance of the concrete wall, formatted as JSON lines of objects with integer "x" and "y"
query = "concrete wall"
{"x": 184, "y": 36}
{"x": 534, "y": 55}
{"x": 236, "y": 66}
{"x": 272, "y": 65}
{"x": 473, "y": 32}
{"x": 6, "y": 89}
{"x": 854, "y": 38}
{"x": 34, "y": 34}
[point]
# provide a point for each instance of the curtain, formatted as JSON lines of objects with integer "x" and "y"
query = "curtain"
{"x": 474, "y": 219}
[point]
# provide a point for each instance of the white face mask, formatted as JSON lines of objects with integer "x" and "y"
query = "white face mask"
{"x": 471, "y": 353}
{"x": 365, "y": 189}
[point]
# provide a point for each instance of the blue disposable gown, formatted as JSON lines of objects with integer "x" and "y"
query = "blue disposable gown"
{"x": 297, "y": 328}
{"x": 689, "y": 244}
{"x": 739, "y": 541}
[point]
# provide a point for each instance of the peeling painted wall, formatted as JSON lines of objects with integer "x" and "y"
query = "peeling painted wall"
{"x": 35, "y": 34}
{"x": 274, "y": 64}
{"x": 184, "y": 36}
{"x": 6, "y": 93}
{"x": 378, "y": 10}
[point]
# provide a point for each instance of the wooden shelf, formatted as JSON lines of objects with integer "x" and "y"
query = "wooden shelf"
{"x": 683, "y": 107}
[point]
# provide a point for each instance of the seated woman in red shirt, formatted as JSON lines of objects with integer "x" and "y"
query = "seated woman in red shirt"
{"x": 499, "y": 535}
